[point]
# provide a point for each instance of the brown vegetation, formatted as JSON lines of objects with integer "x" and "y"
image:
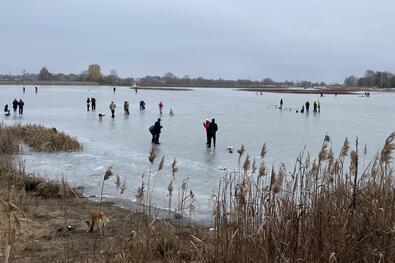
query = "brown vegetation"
{"x": 320, "y": 211}
{"x": 36, "y": 136}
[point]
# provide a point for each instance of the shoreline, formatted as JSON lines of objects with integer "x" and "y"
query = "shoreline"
{"x": 324, "y": 91}
{"x": 251, "y": 88}
{"x": 162, "y": 88}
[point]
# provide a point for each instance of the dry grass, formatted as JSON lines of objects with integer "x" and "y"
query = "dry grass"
{"x": 38, "y": 137}
{"x": 318, "y": 212}
{"x": 14, "y": 187}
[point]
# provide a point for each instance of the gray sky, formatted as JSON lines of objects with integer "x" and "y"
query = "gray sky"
{"x": 283, "y": 39}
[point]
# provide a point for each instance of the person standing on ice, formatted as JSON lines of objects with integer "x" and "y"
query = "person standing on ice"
{"x": 112, "y": 109}
{"x": 206, "y": 124}
{"x": 93, "y": 101}
{"x": 21, "y": 104}
{"x": 15, "y": 105}
{"x": 212, "y": 131}
{"x": 88, "y": 104}
{"x": 126, "y": 107}
{"x": 160, "y": 107}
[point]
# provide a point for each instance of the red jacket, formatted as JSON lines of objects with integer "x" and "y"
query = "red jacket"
{"x": 206, "y": 125}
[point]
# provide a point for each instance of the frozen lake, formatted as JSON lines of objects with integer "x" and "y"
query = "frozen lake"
{"x": 243, "y": 118}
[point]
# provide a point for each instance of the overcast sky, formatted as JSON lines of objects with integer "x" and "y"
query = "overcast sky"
{"x": 282, "y": 39}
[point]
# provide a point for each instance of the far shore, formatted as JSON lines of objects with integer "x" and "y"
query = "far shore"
{"x": 252, "y": 88}
{"x": 326, "y": 91}
{"x": 162, "y": 88}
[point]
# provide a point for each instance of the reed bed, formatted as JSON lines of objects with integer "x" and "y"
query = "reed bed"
{"x": 319, "y": 211}
{"x": 38, "y": 137}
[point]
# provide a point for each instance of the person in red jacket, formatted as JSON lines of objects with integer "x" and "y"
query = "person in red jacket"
{"x": 160, "y": 107}
{"x": 206, "y": 124}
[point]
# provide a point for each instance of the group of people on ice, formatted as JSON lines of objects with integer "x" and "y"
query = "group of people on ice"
{"x": 16, "y": 105}
{"x": 306, "y": 106}
{"x": 211, "y": 131}
{"x": 316, "y": 107}
{"x": 91, "y": 104}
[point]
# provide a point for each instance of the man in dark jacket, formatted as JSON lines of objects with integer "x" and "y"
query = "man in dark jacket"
{"x": 212, "y": 130}
{"x": 15, "y": 105}
{"x": 307, "y": 106}
{"x": 156, "y": 132}
{"x": 93, "y": 102}
{"x": 21, "y": 104}
{"x": 88, "y": 104}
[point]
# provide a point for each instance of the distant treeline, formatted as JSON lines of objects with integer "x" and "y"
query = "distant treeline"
{"x": 94, "y": 75}
{"x": 372, "y": 79}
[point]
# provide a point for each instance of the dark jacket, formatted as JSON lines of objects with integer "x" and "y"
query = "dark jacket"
{"x": 15, "y": 104}
{"x": 212, "y": 128}
{"x": 157, "y": 127}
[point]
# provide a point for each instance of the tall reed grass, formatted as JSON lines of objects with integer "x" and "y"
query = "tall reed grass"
{"x": 319, "y": 211}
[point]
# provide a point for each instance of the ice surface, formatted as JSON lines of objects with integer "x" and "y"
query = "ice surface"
{"x": 243, "y": 118}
